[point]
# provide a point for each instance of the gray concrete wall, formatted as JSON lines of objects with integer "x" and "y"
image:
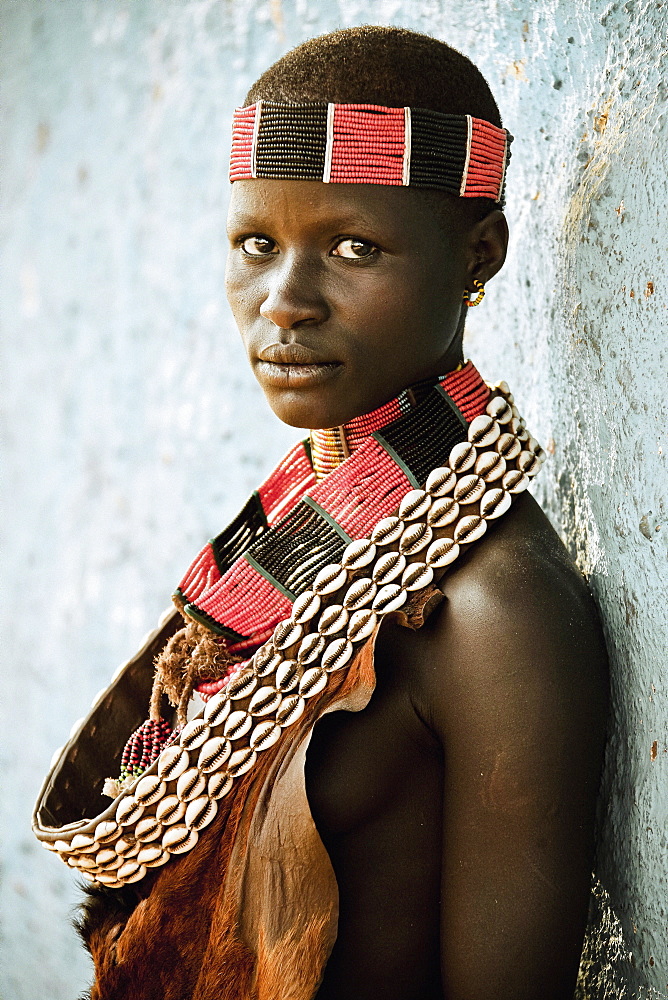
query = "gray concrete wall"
{"x": 133, "y": 430}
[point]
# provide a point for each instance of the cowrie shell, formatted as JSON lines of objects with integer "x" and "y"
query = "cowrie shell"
{"x": 503, "y": 388}
{"x": 312, "y": 682}
{"x": 528, "y": 463}
{"x": 108, "y": 859}
{"x": 242, "y": 685}
{"x": 441, "y": 553}
{"x": 416, "y": 576}
{"x": 105, "y": 830}
{"x": 508, "y": 446}
{"x": 359, "y": 553}
{"x": 361, "y": 624}
{"x": 469, "y": 489}
{"x": 63, "y": 846}
{"x": 190, "y": 785}
{"x": 264, "y": 666}
{"x": 443, "y": 512}
{"x": 264, "y": 701}
{"x": 217, "y": 709}
{"x": 126, "y": 847}
{"x": 440, "y": 482}
{"x": 172, "y": 762}
{"x": 148, "y": 829}
{"x": 389, "y": 598}
{"x": 462, "y": 457}
{"x": 213, "y": 754}
{"x": 311, "y": 647}
{"x": 483, "y": 431}
{"x": 337, "y": 654}
{"x": 179, "y": 839}
{"x": 84, "y": 843}
{"x": 290, "y": 709}
{"x": 515, "y": 481}
{"x": 170, "y": 810}
{"x": 149, "y": 789}
{"x": 241, "y": 761}
{"x": 490, "y": 466}
{"x": 329, "y": 579}
{"x": 333, "y": 620}
{"x": 105, "y": 878}
{"x": 415, "y": 504}
{"x": 499, "y": 409}
{"x": 287, "y": 676}
{"x": 130, "y": 872}
{"x": 152, "y": 855}
{"x": 219, "y": 785}
{"x": 82, "y": 862}
{"x": 359, "y": 593}
{"x": 287, "y": 633}
{"x": 237, "y": 725}
{"x": 387, "y": 531}
{"x": 415, "y": 538}
{"x": 306, "y": 607}
{"x": 200, "y": 812}
{"x": 470, "y": 529}
{"x": 494, "y": 503}
{"x": 129, "y": 810}
{"x": 265, "y": 734}
{"x": 388, "y": 567}
{"x": 194, "y": 734}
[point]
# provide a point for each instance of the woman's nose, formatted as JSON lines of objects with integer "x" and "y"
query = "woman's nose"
{"x": 294, "y": 295}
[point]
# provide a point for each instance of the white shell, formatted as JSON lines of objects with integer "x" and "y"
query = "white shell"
{"x": 490, "y": 465}
{"x": 330, "y": 579}
{"x": 494, "y": 503}
{"x": 213, "y": 754}
{"x": 152, "y": 855}
{"x": 311, "y": 647}
{"x": 360, "y": 593}
{"x": 264, "y": 701}
{"x": 106, "y": 879}
{"x": 306, "y": 607}
{"x": 361, "y": 624}
{"x": 499, "y": 409}
{"x": 287, "y": 633}
{"x": 172, "y": 762}
{"x": 508, "y": 446}
{"x": 200, "y": 812}
{"x": 237, "y": 725}
{"x": 443, "y": 512}
{"x": 337, "y": 654}
{"x": 147, "y": 829}
{"x": 388, "y": 567}
{"x": 266, "y": 665}
{"x": 503, "y": 388}
{"x": 241, "y": 686}
{"x": 64, "y": 846}
{"x": 515, "y": 481}
{"x": 82, "y": 862}
{"x": 441, "y": 553}
{"x": 359, "y": 553}
{"x": 219, "y": 785}
{"x": 179, "y": 839}
{"x": 470, "y": 529}
{"x": 387, "y": 530}
{"x": 287, "y": 676}
{"x": 415, "y": 504}
{"x": 108, "y": 859}
{"x": 129, "y": 810}
{"x": 126, "y": 848}
{"x": 416, "y": 576}
{"x": 170, "y": 810}
{"x": 469, "y": 489}
{"x": 262, "y": 656}
{"x": 462, "y": 457}
{"x": 84, "y": 843}
{"x": 389, "y": 598}
{"x": 528, "y": 463}
{"x": 130, "y": 872}
{"x": 415, "y": 538}
{"x": 313, "y": 681}
{"x": 241, "y": 761}
{"x": 483, "y": 431}
{"x": 440, "y": 482}
{"x": 265, "y": 734}
{"x": 290, "y": 709}
{"x": 190, "y": 785}
{"x": 149, "y": 789}
{"x": 217, "y": 709}
{"x": 333, "y": 619}
{"x": 194, "y": 734}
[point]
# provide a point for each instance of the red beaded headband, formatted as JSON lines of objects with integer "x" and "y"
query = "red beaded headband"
{"x": 370, "y": 144}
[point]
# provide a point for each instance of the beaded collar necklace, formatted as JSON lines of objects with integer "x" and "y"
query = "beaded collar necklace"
{"x": 292, "y": 590}
{"x": 370, "y": 144}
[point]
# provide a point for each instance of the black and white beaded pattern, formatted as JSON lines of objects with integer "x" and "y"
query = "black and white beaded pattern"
{"x": 163, "y": 813}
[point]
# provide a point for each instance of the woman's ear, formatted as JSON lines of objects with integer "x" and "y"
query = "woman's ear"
{"x": 489, "y": 243}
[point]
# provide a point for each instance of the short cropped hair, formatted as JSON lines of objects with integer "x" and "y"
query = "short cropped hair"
{"x": 390, "y": 66}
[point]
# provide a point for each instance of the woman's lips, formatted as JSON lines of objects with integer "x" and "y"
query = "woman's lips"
{"x": 293, "y": 366}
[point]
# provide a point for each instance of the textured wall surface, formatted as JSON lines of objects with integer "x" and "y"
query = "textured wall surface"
{"x": 133, "y": 429}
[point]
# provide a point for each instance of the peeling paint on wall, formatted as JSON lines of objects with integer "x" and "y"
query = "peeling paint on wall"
{"x": 126, "y": 441}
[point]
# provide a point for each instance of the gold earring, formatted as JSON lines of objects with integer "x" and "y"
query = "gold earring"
{"x": 477, "y": 287}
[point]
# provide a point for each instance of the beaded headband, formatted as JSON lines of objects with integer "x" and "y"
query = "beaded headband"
{"x": 370, "y": 144}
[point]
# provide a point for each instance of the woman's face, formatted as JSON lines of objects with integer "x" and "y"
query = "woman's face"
{"x": 344, "y": 294}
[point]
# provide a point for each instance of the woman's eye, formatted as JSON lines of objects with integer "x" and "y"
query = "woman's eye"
{"x": 258, "y": 246}
{"x": 355, "y": 249}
